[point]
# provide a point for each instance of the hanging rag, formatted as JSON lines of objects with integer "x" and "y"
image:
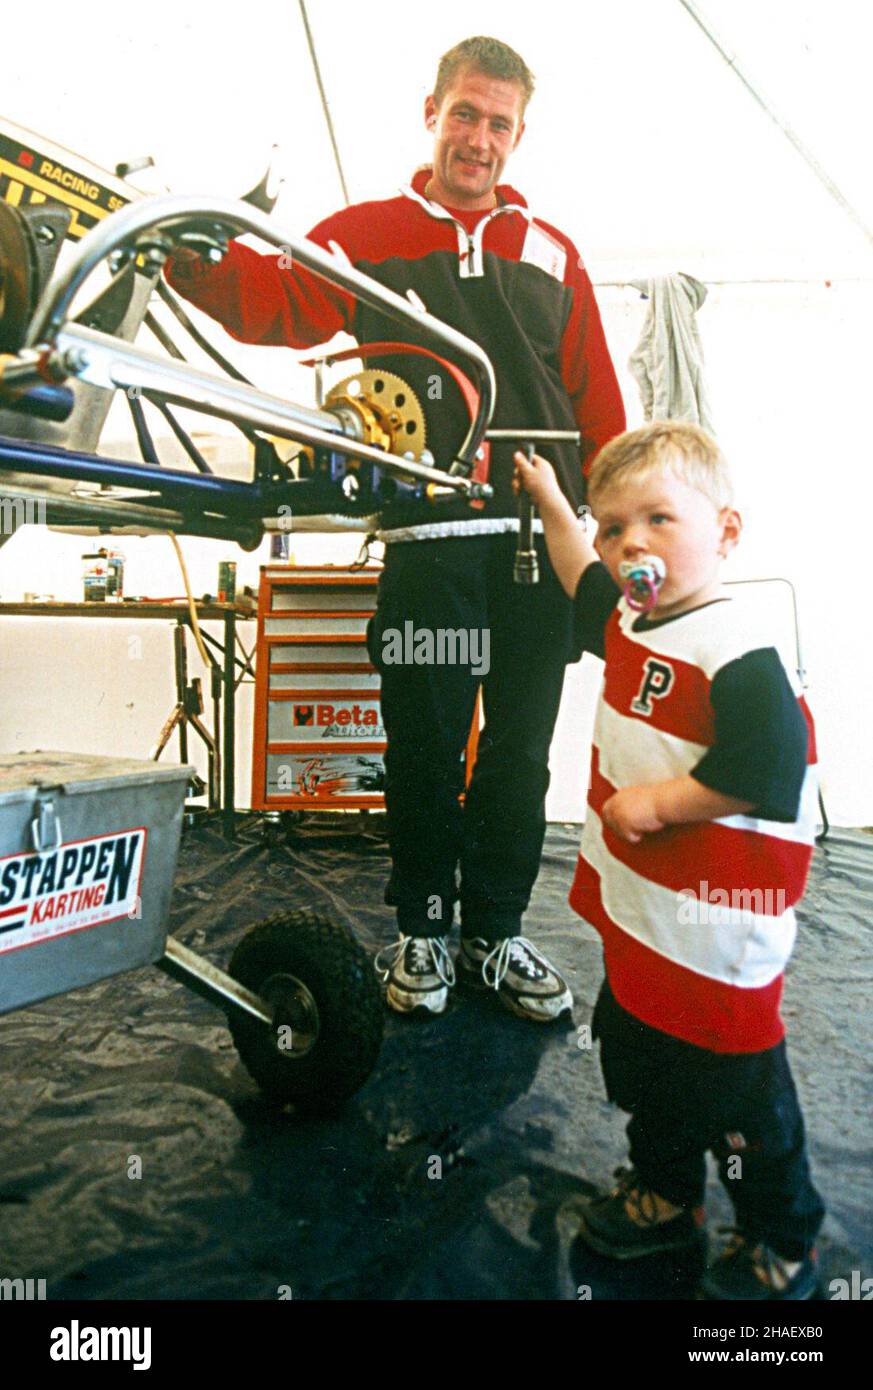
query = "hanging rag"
{"x": 667, "y": 362}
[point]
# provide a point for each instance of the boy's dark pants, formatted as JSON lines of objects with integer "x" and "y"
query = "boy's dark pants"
{"x": 496, "y": 836}
{"x": 684, "y": 1100}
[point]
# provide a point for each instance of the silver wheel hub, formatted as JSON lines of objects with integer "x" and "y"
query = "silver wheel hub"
{"x": 296, "y": 1021}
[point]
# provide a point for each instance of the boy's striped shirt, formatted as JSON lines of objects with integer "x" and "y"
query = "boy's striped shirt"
{"x": 697, "y": 920}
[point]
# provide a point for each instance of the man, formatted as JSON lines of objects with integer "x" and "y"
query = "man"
{"x": 470, "y": 249}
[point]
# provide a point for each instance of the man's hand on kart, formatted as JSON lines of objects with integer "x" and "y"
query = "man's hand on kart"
{"x": 200, "y": 241}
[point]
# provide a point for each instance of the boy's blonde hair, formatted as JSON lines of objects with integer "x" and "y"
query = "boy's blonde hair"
{"x": 674, "y": 446}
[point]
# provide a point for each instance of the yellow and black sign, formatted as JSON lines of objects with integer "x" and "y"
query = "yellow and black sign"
{"x": 34, "y": 170}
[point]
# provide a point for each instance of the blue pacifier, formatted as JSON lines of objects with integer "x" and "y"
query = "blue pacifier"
{"x": 642, "y": 580}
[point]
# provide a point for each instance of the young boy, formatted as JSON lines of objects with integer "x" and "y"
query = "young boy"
{"x": 701, "y": 815}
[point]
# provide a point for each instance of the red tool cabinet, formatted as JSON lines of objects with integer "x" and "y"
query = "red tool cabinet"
{"x": 318, "y": 736}
{"x": 319, "y": 743}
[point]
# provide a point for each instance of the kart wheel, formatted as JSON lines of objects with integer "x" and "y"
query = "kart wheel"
{"x": 327, "y": 1010}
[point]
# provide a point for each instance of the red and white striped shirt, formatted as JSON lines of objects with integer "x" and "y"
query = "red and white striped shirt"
{"x": 697, "y": 920}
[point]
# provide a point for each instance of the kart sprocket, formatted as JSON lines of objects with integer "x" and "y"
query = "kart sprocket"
{"x": 389, "y": 411}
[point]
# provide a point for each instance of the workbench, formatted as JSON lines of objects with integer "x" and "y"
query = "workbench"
{"x": 223, "y": 669}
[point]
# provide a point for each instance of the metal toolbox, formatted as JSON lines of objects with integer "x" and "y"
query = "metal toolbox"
{"x": 88, "y": 850}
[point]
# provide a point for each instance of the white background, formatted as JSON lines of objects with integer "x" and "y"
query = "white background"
{"x": 645, "y": 148}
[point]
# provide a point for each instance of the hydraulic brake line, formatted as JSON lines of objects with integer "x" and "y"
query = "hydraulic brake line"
{"x": 166, "y": 294}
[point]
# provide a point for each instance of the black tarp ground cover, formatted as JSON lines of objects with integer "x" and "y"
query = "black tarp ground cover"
{"x": 236, "y": 1202}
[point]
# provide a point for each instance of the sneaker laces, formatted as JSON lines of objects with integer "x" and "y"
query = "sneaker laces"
{"x": 424, "y": 950}
{"x": 512, "y": 948}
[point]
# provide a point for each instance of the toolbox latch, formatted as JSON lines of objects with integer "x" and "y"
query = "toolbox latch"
{"x": 46, "y": 822}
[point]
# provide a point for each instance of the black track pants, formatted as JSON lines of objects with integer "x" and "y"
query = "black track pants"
{"x": 684, "y": 1101}
{"x": 465, "y": 585}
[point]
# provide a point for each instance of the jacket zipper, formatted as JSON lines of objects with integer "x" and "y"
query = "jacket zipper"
{"x": 471, "y": 254}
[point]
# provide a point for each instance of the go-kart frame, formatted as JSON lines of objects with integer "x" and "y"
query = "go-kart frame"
{"x": 59, "y": 351}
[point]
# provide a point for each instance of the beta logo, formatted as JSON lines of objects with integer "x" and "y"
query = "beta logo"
{"x": 303, "y": 714}
{"x": 349, "y": 721}
{"x": 340, "y": 714}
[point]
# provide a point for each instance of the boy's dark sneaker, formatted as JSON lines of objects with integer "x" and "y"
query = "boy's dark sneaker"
{"x": 752, "y": 1271}
{"x": 608, "y": 1229}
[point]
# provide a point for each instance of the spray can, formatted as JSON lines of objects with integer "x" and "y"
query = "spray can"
{"x": 226, "y": 581}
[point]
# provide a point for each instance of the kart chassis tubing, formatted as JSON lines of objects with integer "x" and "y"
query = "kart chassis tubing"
{"x": 63, "y": 348}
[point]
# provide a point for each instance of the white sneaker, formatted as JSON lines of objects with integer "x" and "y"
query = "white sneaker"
{"x": 525, "y": 981}
{"x": 418, "y": 972}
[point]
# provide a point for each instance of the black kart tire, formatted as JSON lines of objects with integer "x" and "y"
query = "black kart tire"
{"x": 338, "y": 973}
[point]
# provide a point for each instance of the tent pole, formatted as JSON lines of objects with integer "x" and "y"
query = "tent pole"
{"x": 325, "y": 107}
{"x": 790, "y": 134}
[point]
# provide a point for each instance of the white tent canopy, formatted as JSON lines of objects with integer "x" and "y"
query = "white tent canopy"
{"x": 640, "y": 138}
{"x": 644, "y": 146}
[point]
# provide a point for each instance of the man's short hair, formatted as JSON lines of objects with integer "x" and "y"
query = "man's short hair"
{"x": 674, "y": 446}
{"x": 486, "y": 55}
